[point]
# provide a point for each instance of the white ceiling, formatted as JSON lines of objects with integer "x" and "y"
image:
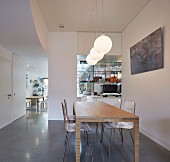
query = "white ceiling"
{"x": 80, "y": 15}
{"x": 18, "y": 34}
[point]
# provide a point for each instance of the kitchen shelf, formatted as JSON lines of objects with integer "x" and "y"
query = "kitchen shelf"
{"x": 93, "y": 77}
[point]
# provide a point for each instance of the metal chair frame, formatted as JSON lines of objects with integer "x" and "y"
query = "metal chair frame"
{"x": 84, "y": 128}
{"x": 119, "y": 126}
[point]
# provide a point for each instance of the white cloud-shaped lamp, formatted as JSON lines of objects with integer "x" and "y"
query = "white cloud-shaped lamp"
{"x": 96, "y": 55}
{"x": 103, "y": 44}
{"x": 90, "y": 60}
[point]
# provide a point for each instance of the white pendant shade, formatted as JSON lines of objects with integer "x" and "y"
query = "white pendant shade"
{"x": 96, "y": 55}
{"x": 103, "y": 44}
{"x": 90, "y": 60}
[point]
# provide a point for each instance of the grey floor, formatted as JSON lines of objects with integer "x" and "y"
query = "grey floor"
{"x": 33, "y": 138}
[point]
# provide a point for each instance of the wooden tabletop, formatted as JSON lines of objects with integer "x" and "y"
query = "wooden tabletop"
{"x": 34, "y": 97}
{"x": 101, "y": 111}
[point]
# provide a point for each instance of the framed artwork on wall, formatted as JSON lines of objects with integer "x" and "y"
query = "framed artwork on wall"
{"x": 147, "y": 55}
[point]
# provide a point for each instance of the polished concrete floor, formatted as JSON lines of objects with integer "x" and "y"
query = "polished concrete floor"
{"x": 33, "y": 138}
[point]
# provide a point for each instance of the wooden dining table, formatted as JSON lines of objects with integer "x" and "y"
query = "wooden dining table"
{"x": 103, "y": 112}
{"x": 34, "y": 100}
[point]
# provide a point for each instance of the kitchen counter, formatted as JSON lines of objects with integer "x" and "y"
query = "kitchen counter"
{"x": 109, "y": 99}
{"x": 101, "y": 95}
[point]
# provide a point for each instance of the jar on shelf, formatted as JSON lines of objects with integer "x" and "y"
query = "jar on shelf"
{"x": 113, "y": 78}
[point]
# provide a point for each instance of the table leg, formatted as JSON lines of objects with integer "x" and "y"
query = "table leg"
{"x": 136, "y": 134}
{"x": 102, "y": 131}
{"x": 77, "y": 141}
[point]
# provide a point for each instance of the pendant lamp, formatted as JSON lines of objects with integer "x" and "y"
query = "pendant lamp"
{"x": 90, "y": 60}
{"x": 103, "y": 44}
{"x": 96, "y": 55}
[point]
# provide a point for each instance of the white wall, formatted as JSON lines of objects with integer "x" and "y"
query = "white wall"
{"x": 12, "y": 81}
{"x": 5, "y": 53}
{"x": 62, "y": 71}
{"x": 5, "y": 87}
{"x": 62, "y": 68}
{"x": 19, "y": 87}
{"x": 150, "y": 90}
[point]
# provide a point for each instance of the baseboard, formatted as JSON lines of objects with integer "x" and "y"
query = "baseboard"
{"x": 156, "y": 139}
{"x": 56, "y": 121}
{"x": 4, "y": 125}
{"x": 60, "y": 119}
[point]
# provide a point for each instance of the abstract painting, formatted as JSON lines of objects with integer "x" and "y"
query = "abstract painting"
{"x": 147, "y": 55}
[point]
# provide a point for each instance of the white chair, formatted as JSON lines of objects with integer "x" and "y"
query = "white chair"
{"x": 44, "y": 105}
{"x": 71, "y": 118}
{"x": 117, "y": 102}
{"x": 129, "y": 107}
{"x": 70, "y": 128}
{"x": 87, "y": 98}
{"x": 28, "y": 104}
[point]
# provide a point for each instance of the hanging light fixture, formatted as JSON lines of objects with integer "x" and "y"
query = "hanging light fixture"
{"x": 90, "y": 60}
{"x": 96, "y": 55}
{"x": 103, "y": 43}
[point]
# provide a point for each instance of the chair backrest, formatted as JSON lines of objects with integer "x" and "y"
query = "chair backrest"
{"x": 65, "y": 104}
{"x": 69, "y": 127}
{"x": 87, "y": 98}
{"x": 129, "y": 106}
{"x": 74, "y": 112}
{"x": 64, "y": 113}
{"x": 117, "y": 102}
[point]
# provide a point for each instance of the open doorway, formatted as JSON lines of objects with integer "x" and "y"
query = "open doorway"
{"x": 36, "y": 91}
{"x": 102, "y": 79}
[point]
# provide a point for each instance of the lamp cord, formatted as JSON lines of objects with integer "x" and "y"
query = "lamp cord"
{"x": 102, "y": 16}
{"x": 96, "y": 18}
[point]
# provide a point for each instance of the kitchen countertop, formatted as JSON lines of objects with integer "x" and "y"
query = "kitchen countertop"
{"x": 96, "y": 96}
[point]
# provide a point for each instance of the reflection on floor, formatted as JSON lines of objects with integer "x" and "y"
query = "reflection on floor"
{"x": 33, "y": 138}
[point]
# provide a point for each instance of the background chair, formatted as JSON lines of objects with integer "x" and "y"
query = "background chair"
{"x": 70, "y": 128}
{"x": 28, "y": 104}
{"x": 71, "y": 118}
{"x": 117, "y": 103}
{"x": 129, "y": 107}
{"x": 87, "y": 98}
{"x": 44, "y": 105}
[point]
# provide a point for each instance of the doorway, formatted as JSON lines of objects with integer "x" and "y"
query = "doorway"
{"x": 5, "y": 92}
{"x": 36, "y": 92}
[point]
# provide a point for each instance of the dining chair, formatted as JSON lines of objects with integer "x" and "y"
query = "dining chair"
{"x": 117, "y": 103}
{"x": 28, "y": 105}
{"x": 70, "y": 128}
{"x": 87, "y": 98}
{"x": 129, "y": 107}
{"x": 71, "y": 118}
{"x": 44, "y": 105}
